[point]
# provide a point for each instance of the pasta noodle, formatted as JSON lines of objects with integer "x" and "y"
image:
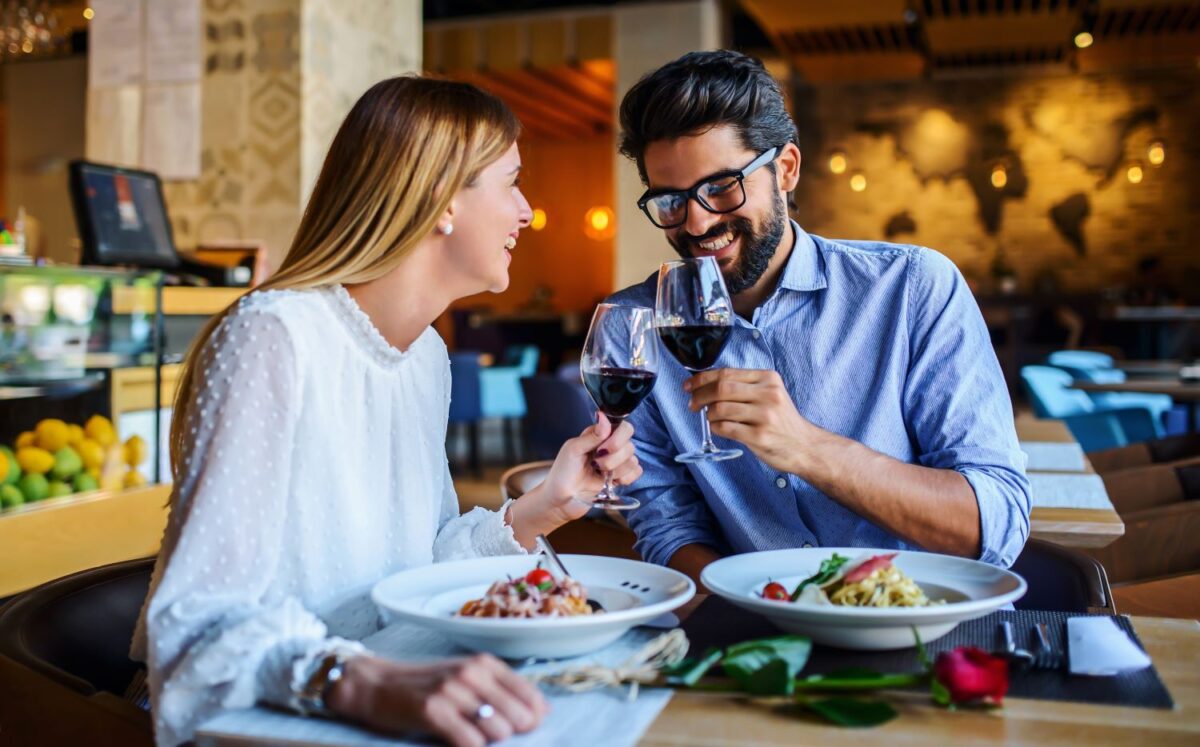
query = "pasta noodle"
{"x": 884, "y": 587}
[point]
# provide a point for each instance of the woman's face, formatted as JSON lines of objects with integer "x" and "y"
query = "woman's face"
{"x": 487, "y": 218}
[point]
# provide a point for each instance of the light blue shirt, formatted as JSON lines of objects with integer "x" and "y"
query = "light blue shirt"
{"x": 881, "y": 343}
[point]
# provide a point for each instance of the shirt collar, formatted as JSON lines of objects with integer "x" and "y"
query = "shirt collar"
{"x": 805, "y": 269}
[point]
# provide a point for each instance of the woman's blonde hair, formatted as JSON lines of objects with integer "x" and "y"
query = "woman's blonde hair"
{"x": 403, "y": 152}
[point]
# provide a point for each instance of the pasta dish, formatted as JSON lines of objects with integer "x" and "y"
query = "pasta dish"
{"x": 537, "y": 594}
{"x": 869, "y": 581}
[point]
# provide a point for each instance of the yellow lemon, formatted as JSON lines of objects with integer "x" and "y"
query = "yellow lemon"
{"x": 134, "y": 479}
{"x": 35, "y": 460}
{"x": 94, "y": 472}
{"x": 3, "y": 468}
{"x": 52, "y": 434}
{"x": 74, "y": 434}
{"x": 100, "y": 429}
{"x": 91, "y": 452}
{"x": 135, "y": 450}
{"x": 26, "y": 439}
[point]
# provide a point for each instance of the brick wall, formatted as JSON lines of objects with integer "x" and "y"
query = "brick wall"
{"x": 927, "y": 151}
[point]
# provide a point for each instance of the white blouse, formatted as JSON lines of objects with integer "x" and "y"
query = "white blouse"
{"x": 318, "y": 467}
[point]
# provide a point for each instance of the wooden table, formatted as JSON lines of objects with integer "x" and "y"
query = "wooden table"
{"x": 1183, "y": 391}
{"x": 713, "y": 720}
{"x": 1178, "y": 596}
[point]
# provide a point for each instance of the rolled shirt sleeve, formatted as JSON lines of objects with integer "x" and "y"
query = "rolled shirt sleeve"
{"x": 957, "y": 405}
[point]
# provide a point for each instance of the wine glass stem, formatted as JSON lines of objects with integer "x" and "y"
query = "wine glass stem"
{"x": 606, "y": 493}
{"x": 708, "y": 444}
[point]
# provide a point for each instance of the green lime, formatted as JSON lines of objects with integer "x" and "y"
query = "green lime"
{"x": 11, "y": 495}
{"x": 85, "y": 482}
{"x": 14, "y": 469}
{"x": 66, "y": 463}
{"x": 34, "y": 486}
{"x": 57, "y": 487}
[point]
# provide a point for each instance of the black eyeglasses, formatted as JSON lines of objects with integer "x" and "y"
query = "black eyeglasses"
{"x": 720, "y": 193}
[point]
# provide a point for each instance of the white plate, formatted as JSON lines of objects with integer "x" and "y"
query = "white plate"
{"x": 630, "y": 591}
{"x": 971, "y": 589}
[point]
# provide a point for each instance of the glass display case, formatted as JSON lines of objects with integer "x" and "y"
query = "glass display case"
{"x": 66, "y": 334}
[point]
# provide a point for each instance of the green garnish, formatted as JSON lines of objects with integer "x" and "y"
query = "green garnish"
{"x": 827, "y": 571}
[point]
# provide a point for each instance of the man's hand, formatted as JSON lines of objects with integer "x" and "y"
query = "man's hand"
{"x": 753, "y": 408}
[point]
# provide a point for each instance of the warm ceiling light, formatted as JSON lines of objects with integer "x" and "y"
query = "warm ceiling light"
{"x": 538, "y": 222}
{"x": 837, "y": 162}
{"x": 88, "y": 13}
{"x": 858, "y": 182}
{"x": 1134, "y": 174}
{"x": 1156, "y": 154}
{"x": 1083, "y": 40}
{"x": 598, "y": 222}
{"x": 999, "y": 176}
{"x": 27, "y": 46}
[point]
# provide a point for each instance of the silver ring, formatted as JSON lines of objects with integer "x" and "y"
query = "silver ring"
{"x": 484, "y": 712}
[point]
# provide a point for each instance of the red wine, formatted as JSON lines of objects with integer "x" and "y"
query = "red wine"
{"x": 617, "y": 391}
{"x": 695, "y": 346}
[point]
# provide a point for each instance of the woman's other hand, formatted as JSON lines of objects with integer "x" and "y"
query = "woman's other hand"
{"x": 442, "y": 698}
{"x": 577, "y": 472}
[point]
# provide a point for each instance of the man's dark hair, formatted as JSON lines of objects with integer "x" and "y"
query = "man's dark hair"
{"x": 699, "y": 91}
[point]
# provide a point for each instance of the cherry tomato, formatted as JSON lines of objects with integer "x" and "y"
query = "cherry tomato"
{"x": 541, "y": 578}
{"x": 775, "y": 591}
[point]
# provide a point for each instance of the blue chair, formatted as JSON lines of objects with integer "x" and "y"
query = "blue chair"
{"x": 1088, "y": 365}
{"x": 1094, "y": 426}
{"x": 556, "y": 411}
{"x": 466, "y": 401}
{"x": 502, "y": 397}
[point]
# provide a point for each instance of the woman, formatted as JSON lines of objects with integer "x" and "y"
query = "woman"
{"x": 308, "y": 442}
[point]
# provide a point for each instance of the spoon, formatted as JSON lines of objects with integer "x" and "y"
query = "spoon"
{"x": 544, "y": 544}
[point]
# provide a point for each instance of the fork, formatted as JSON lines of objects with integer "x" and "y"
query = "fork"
{"x": 1047, "y": 656}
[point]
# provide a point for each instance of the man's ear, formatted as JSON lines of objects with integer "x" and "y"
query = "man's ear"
{"x": 787, "y": 167}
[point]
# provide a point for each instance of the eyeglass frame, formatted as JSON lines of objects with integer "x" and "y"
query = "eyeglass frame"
{"x": 693, "y": 192}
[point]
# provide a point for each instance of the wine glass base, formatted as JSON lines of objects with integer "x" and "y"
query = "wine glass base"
{"x": 719, "y": 455}
{"x": 615, "y": 503}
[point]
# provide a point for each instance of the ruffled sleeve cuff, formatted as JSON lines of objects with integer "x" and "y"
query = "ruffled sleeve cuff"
{"x": 477, "y": 533}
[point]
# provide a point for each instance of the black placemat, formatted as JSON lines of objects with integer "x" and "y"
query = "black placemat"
{"x": 716, "y": 622}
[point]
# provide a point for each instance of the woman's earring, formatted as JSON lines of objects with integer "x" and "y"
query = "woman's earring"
{"x": 446, "y": 230}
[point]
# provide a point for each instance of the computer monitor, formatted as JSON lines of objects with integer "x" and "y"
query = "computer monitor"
{"x": 122, "y": 216}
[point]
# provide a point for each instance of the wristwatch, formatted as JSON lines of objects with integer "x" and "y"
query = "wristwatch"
{"x": 327, "y": 671}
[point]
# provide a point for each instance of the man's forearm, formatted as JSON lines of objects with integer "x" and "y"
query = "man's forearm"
{"x": 691, "y": 559}
{"x": 933, "y": 508}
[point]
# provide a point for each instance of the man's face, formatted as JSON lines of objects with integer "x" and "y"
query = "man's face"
{"x": 742, "y": 241}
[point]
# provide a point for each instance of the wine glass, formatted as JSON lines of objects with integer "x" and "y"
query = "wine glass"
{"x": 694, "y": 315}
{"x": 619, "y": 367}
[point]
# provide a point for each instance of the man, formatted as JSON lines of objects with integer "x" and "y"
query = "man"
{"x": 859, "y": 374}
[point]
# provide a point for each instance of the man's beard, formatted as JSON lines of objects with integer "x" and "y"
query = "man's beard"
{"x": 757, "y": 247}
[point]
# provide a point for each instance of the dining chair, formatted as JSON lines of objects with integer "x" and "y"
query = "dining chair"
{"x": 1089, "y": 365}
{"x": 64, "y": 660}
{"x": 501, "y": 392}
{"x": 1147, "y": 453}
{"x": 555, "y": 410}
{"x": 1062, "y": 579}
{"x": 1094, "y": 426}
{"x": 466, "y": 402}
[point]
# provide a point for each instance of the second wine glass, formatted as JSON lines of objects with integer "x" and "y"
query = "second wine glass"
{"x": 619, "y": 367}
{"x": 694, "y": 316}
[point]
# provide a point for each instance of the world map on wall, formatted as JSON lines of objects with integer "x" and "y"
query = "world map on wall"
{"x": 938, "y": 145}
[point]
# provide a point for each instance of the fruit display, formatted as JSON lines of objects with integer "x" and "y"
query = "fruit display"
{"x": 57, "y": 458}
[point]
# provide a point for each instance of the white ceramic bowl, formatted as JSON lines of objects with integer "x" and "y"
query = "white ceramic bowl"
{"x": 970, "y": 589}
{"x": 631, "y": 592}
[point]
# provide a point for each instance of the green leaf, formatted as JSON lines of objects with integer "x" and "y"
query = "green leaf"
{"x": 941, "y": 695}
{"x": 853, "y": 711}
{"x": 829, "y": 568}
{"x": 744, "y": 659}
{"x": 689, "y": 671}
{"x": 922, "y": 654}
{"x": 772, "y": 679}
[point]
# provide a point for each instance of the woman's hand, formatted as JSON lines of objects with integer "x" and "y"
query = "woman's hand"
{"x": 441, "y": 698}
{"x": 578, "y": 469}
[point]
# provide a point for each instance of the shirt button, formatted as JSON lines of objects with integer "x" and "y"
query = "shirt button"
{"x": 781, "y": 482}
{"x": 807, "y": 545}
{"x": 756, "y": 334}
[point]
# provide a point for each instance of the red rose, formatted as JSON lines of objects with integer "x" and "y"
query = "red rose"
{"x": 969, "y": 673}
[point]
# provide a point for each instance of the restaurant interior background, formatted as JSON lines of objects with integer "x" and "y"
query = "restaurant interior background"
{"x": 1048, "y": 147}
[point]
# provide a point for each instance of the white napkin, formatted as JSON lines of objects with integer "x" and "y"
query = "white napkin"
{"x": 1098, "y": 648}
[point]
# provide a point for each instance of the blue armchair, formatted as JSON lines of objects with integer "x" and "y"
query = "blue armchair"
{"x": 1093, "y": 425}
{"x": 501, "y": 391}
{"x": 466, "y": 402}
{"x": 1088, "y": 365}
{"x": 557, "y": 410}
